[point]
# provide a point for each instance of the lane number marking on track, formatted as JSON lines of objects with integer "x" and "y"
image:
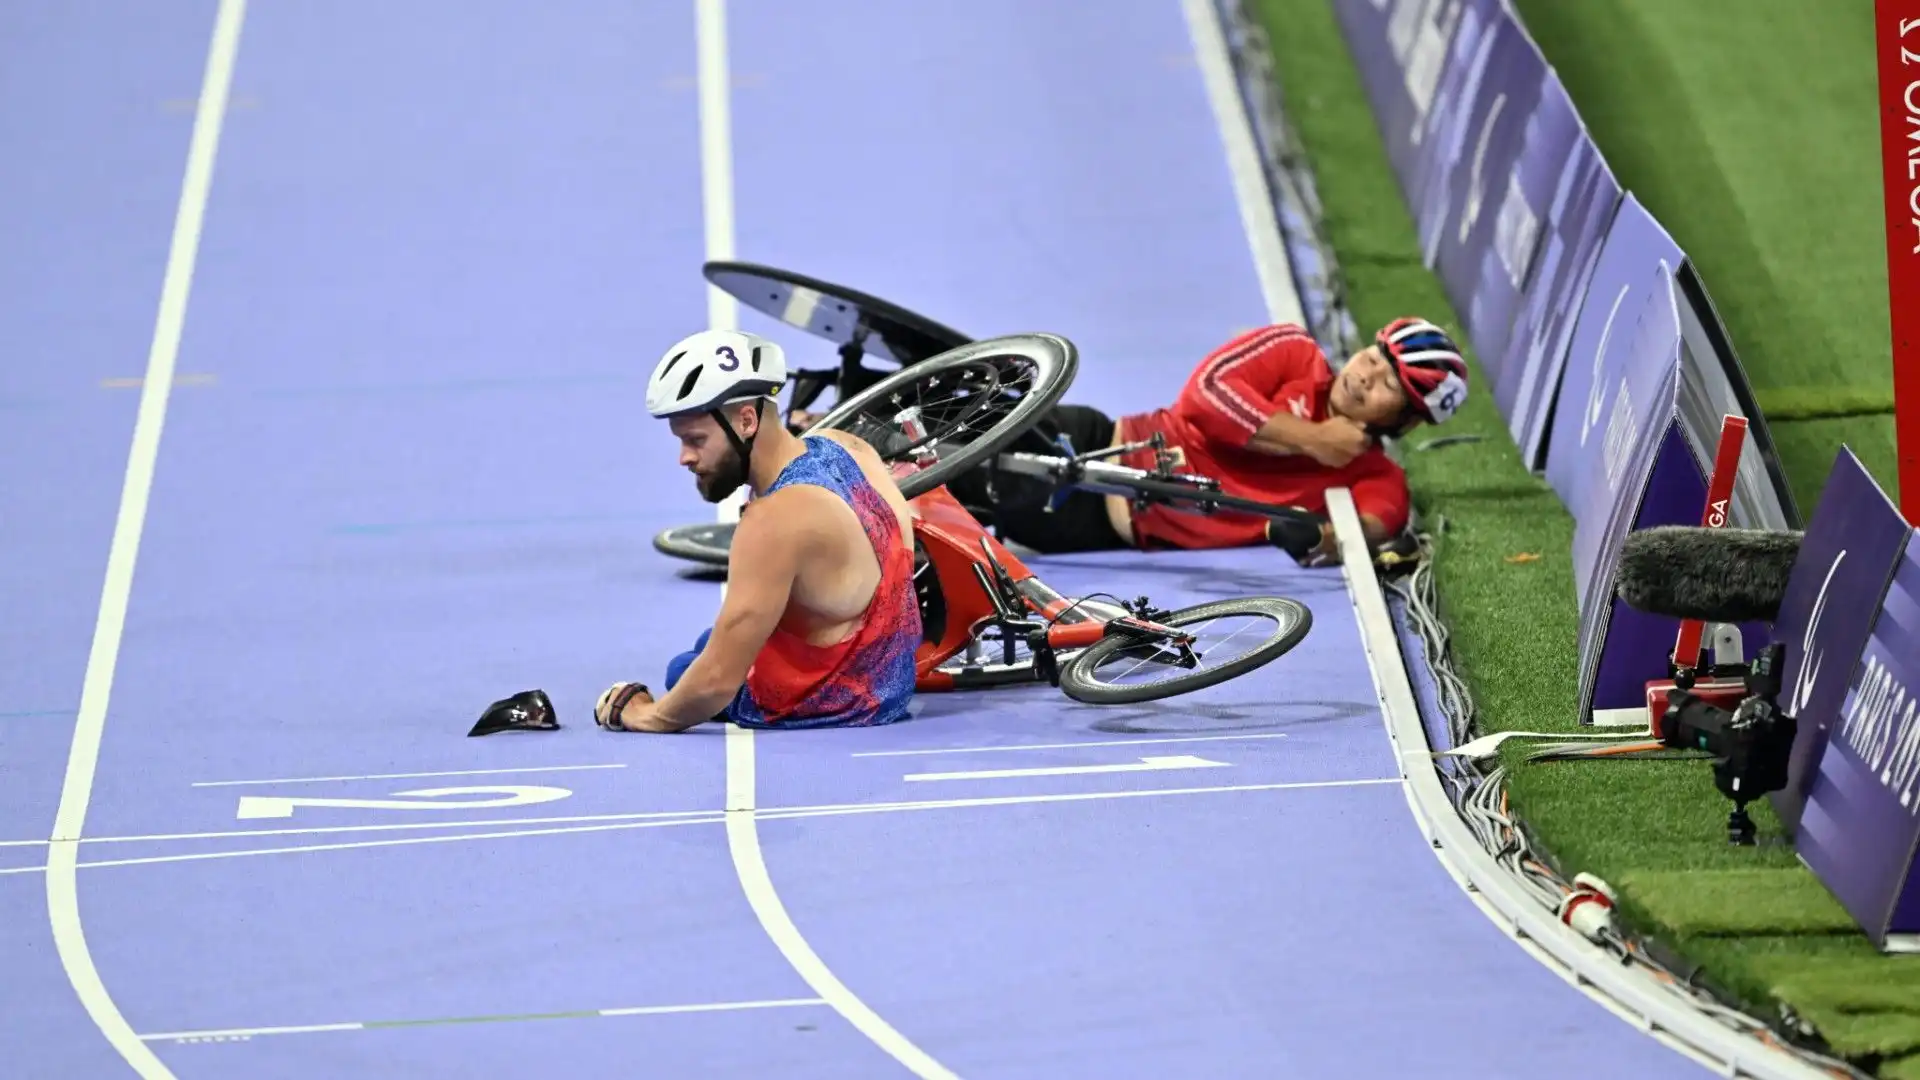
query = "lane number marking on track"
{"x": 1145, "y": 764}
{"x": 279, "y": 806}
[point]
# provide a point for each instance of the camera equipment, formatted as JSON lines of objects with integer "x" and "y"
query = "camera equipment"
{"x": 1750, "y": 744}
{"x": 1723, "y": 575}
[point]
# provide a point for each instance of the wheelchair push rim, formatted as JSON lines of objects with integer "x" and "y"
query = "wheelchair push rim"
{"x": 952, "y": 412}
{"x": 707, "y": 542}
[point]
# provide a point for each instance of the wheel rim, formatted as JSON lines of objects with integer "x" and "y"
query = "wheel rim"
{"x": 1154, "y": 662}
{"x": 1231, "y": 637}
{"x": 958, "y": 407}
{"x": 707, "y": 542}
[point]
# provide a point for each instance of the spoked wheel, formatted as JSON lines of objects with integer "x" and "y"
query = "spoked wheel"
{"x": 1233, "y": 637}
{"x": 960, "y": 407}
{"x": 706, "y": 543}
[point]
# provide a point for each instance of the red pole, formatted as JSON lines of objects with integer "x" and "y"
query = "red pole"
{"x": 1726, "y": 467}
{"x": 1897, "y": 29}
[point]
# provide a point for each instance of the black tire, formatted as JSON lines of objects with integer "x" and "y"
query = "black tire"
{"x": 705, "y": 543}
{"x": 1292, "y": 620}
{"x": 993, "y": 416}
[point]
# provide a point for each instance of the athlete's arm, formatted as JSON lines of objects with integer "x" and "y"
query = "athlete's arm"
{"x": 1371, "y": 527}
{"x": 1249, "y": 394}
{"x": 762, "y": 562}
{"x": 1232, "y": 392}
{"x": 1333, "y": 442}
{"x": 1380, "y": 496}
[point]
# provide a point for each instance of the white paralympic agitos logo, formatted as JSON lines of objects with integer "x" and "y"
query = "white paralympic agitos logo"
{"x": 1596, "y": 394}
{"x": 1477, "y": 183}
{"x": 1810, "y": 661}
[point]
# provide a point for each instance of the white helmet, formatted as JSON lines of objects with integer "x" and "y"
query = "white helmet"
{"x": 713, "y": 368}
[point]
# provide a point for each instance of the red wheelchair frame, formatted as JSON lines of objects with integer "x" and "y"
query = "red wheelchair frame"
{"x": 953, "y": 551}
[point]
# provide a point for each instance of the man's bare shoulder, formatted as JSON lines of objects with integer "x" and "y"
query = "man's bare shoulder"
{"x": 777, "y": 532}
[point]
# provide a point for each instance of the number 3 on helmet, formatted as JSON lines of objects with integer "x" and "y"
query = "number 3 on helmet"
{"x": 712, "y": 368}
{"x": 1430, "y": 366}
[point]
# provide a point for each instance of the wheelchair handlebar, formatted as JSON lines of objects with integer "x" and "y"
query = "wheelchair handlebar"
{"x": 1105, "y": 478}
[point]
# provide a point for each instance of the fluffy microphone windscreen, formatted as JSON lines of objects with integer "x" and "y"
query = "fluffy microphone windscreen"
{"x": 1716, "y": 575}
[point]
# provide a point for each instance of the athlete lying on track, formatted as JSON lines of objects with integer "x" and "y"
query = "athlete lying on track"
{"x": 1265, "y": 415}
{"x": 820, "y": 621}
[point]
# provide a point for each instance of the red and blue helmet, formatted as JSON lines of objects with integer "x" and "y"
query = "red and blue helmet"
{"x": 1431, "y": 369}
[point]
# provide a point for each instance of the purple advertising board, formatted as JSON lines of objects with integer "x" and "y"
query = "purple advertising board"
{"x": 1619, "y": 457}
{"x": 1559, "y": 212}
{"x": 1401, "y": 48}
{"x": 1474, "y": 180}
{"x": 1847, "y": 557}
{"x": 1629, "y": 299}
{"x": 1470, "y": 60}
{"x": 1621, "y": 648}
{"x": 1861, "y": 822}
{"x": 1509, "y": 195}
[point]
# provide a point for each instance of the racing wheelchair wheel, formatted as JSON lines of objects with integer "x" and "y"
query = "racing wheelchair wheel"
{"x": 963, "y": 405}
{"x": 704, "y": 543}
{"x": 1269, "y": 625}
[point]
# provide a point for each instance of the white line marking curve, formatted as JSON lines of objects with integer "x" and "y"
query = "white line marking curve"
{"x": 83, "y": 758}
{"x": 407, "y": 775}
{"x": 743, "y": 839}
{"x": 1083, "y": 745}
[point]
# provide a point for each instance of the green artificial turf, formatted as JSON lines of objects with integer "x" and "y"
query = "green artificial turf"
{"x": 1808, "y": 448}
{"x": 1746, "y": 162}
{"x": 1750, "y": 128}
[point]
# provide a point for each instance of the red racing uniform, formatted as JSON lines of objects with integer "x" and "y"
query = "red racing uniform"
{"x": 1225, "y": 401}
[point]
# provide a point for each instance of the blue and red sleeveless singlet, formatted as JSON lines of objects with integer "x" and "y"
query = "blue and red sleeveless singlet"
{"x": 868, "y": 677}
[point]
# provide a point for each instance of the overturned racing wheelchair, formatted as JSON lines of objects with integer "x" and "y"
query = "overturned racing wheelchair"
{"x": 989, "y": 619}
{"x": 877, "y": 340}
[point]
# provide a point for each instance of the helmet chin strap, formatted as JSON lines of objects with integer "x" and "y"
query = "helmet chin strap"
{"x": 1400, "y": 426}
{"x": 1379, "y": 432}
{"x": 743, "y": 446}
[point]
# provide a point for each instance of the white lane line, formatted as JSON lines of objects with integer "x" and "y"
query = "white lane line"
{"x": 203, "y": 856}
{"x": 1243, "y": 162}
{"x": 1145, "y": 764}
{"x": 618, "y": 822}
{"x": 743, "y": 841}
{"x": 1090, "y": 743}
{"x": 237, "y": 1034}
{"x": 725, "y": 1006}
{"x": 407, "y": 775}
{"x": 716, "y": 151}
{"x": 716, "y": 182}
{"x": 322, "y": 830}
{"x": 63, "y": 898}
{"x": 246, "y": 1033}
{"x": 670, "y": 815}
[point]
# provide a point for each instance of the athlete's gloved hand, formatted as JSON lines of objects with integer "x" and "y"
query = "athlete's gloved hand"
{"x": 1306, "y": 537}
{"x": 613, "y": 701}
